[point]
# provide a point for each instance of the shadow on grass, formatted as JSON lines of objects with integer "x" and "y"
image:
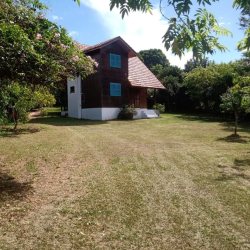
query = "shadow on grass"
{"x": 243, "y": 127}
{"x": 232, "y": 176}
{"x": 235, "y": 139}
{"x": 237, "y": 171}
{"x": 242, "y": 162}
{"x": 225, "y": 122}
{"x": 64, "y": 121}
{"x": 11, "y": 189}
{"x": 10, "y": 132}
{"x": 200, "y": 118}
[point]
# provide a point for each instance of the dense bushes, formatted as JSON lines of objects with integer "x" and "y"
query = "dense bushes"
{"x": 127, "y": 113}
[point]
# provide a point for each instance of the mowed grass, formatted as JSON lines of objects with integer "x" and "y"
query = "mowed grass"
{"x": 178, "y": 182}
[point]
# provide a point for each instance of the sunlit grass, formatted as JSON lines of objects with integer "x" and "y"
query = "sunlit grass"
{"x": 171, "y": 183}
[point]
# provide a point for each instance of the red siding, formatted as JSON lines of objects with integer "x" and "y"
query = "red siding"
{"x": 95, "y": 88}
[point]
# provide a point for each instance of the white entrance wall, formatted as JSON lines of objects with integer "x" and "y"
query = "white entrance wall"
{"x": 74, "y": 97}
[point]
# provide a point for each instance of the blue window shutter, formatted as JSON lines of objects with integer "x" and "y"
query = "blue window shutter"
{"x": 115, "y": 89}
{"x": 115, "y": 60}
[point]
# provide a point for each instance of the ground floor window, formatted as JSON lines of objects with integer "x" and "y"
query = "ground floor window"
{"x": 115, "y": 89}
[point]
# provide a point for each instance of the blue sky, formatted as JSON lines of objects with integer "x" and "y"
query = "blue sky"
{"x": 92, "y": 22}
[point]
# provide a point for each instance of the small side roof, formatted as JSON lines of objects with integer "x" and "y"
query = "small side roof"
{"x": 140, "y": 76}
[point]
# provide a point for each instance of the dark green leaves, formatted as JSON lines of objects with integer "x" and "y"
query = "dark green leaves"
{"x": 131, "y": 5}
{"x": 198, "y": 35}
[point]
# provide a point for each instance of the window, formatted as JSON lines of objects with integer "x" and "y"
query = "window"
{"x": 115, "y": 60}
{"x": 115, "y": 89}
{"x": 72, "y": 89}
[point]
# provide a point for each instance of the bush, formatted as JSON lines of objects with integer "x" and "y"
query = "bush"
{"x": 159, "y": 107}
{"x": 127, "y": 112}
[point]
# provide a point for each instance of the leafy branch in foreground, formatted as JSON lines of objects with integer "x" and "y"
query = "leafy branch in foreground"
{"x": 198, "y": 32}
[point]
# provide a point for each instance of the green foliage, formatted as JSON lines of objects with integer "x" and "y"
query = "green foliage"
{"x": 34, "y": 50}
{"x": 19, "y": 99}
{"x": 131, "y": 5}
{"x": 159, "y": 107}
{"x": 171, "y": 77}
{"x": 192, "y": 64}
{"x": 244, "y": 6}
{"x": 127, "y": 112}
{"x": 153, "y": 57}
{"x": 237, "y": 98}
{"x": 206, "y": 85}
{"x": 198, "y": 34}
{"x": 43, "y": 97}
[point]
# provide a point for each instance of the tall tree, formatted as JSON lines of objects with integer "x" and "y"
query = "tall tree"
{"x": 192, "y": 64}
{"x": 171, "y": 77}
{"x": 152, "y": 57}
{"x": 206, "y": 85}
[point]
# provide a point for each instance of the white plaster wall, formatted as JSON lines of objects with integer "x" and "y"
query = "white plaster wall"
{"x": 92, "y": 114}
{"x": 100, "y": 113}
{"x": 74, "y": 99}
{"x": 110, "y": 113}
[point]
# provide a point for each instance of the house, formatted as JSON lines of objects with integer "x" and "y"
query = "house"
{"x": 120, "y": 79}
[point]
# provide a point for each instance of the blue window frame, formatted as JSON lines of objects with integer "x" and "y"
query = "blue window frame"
{"x": 115, "y": 60}
{"x": 115, "y": 89}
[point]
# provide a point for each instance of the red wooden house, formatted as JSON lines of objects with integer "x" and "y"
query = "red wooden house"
{"x": 121, "y": 79}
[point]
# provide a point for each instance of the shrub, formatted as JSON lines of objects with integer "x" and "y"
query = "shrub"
{"x": 127, "y": 112}
{"x": 159, "y": 107}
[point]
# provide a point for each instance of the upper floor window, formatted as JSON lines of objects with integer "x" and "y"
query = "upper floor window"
{"x": 115, "y": 89}
{"x": 115, "y": 60}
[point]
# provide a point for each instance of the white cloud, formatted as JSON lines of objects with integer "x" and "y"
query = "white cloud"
{"x": 73, "y": 33}
{"x": 56, "y": 18}
{"x": 140, "y": 30}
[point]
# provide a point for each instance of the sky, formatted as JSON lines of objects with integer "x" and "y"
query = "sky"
{"x": 93, "y": 22}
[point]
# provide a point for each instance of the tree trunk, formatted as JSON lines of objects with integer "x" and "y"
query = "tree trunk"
{"x": 14, "y": 117}
{"x": 236, "y": 116}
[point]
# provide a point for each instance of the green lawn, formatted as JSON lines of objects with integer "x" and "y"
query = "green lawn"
{"x": 178, "y": 182}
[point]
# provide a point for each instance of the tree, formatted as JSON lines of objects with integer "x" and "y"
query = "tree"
{"x": 171, "y": 77}
{"x": 153, "y": 57}
{"x": 198, "y": 33}
{"x": 206, "y": 85}
{"x": 17, "y": 100}
{"x": 237, "y": 99}
{"x": 34, "y": 50}
{"x": 192, "y": 64}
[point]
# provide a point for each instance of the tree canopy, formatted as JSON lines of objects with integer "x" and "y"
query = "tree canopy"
{"x": 152, "y": 57}
{"x": 34, "y": 50}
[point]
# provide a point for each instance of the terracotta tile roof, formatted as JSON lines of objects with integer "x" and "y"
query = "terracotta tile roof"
{"x": 140, "y": 76}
